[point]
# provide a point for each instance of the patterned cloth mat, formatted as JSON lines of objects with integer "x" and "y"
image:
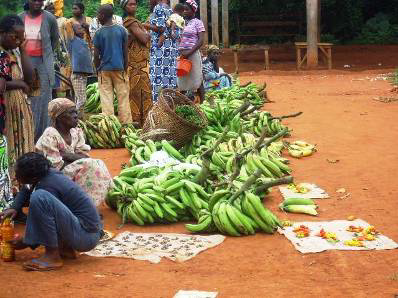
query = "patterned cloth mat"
{"x": 314, "y": 192}
{"x": 314, "y": 243}
{"x": 154, "y": 246}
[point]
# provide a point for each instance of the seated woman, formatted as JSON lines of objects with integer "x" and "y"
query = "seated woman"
{"x": 214, "y": 76}
{"x": 62, "y": 218}
{"x": 64, "y": 146}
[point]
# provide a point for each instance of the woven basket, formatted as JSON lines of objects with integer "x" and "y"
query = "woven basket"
{"x": 163, "y": 123}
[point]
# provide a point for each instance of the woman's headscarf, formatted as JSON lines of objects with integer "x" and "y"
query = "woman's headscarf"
{"x": 212, "y": 48}
{"x": 103, "y": 2}
{"x": 58, "y": 106}
{"x": 124, "y": 3}
{"x": 193, "y": 4}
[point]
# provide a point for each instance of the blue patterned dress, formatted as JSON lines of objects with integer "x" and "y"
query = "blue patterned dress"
{"x": 163, "y": 59}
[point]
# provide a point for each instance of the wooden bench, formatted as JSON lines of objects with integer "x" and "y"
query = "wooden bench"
{"x": 325, "y": 49}
{"x": 255, "y": 26}
{"x": 236, "y": 51}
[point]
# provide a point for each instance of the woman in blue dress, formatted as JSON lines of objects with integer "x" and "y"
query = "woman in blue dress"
{"x": 214, "y": 76}
{"x": 163, "y": 55}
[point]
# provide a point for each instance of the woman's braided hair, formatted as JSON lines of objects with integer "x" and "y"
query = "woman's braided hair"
{"x": 8, "y": 22}
{"x": 33, "y": 165}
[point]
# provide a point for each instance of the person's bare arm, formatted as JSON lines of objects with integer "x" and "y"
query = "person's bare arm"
{"x": 96, "y": 58}
{"x": 143, "y": 36}
{"x": 71, "y": 157}
{"x": 12, "y": 85}
{"x": 153, "y": 28}
{"x": 173, "y": 29}
{"x": 198, "y": 45}
{"x": 125, "y": 55}
{"x": 27, "y": 66}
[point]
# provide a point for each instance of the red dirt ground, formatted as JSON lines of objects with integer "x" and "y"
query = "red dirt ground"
{"x": 342, "y": 117}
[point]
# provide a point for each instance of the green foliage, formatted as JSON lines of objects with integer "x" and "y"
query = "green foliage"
{"x": 189, "y": 113}
{"x": 393, "y": 78}
{"x": 10, "y": 7}
{"x": 92, "y": 6}
{"x": 378, "y": 30}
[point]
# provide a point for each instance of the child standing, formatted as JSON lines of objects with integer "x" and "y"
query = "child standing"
{"x": 111, "y": 60}
{"x": 175, "y": 21}
{"x": 81, "y": 63}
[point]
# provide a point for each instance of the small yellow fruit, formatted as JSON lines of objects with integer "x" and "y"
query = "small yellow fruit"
{"x": 351, "y": 218}
{"x": 286, "y": 223}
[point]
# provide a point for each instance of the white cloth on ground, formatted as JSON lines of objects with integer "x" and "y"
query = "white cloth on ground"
{"x": 153, "y": 246}
{"x": 314, "y": 243}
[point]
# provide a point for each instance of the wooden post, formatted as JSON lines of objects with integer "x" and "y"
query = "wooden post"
{"x": 204, "y": 18}
{"x": 225, "y": 22}
{"x": 312, "y": 49}
{"x": 267, "y": 65}
{"x": 236, "y": 61}
{"x": 173, "y": 3}
{"x": 215, "y": 22}
{"x": 318, "y": 21}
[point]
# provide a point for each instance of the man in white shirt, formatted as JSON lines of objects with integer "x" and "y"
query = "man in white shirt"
{"x": 95, "y": 24}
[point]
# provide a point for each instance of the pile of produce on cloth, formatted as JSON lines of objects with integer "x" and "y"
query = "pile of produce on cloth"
{"x": 238, "y": 158}
{"x": 93, "y": 103}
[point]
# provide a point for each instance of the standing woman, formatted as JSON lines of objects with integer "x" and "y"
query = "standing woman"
{"x": 139, "y": 82}
{"x": 15, "y": 114}
{"x": 190, "y": 44}
{"x": 42, "y": 38}
{"x": 162, "y": 57}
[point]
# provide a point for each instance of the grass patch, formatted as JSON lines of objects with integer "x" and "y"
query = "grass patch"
{"x": 393, "y": 78}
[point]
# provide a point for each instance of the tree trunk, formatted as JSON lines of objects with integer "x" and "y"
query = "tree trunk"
{"x": 312, "y": 33}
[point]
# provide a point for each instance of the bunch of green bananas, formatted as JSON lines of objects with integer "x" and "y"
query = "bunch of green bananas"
{"x": 153, "y": 195}
{"x": 243, "y": 216}
{"x": 102, "y": 131}
{"x": 228, "y": 200}
{"x": 93, "y": 103}
{"x": 256, "y": 121}
{"x": 141, "y": 151}
{"x": 237, "y": 94}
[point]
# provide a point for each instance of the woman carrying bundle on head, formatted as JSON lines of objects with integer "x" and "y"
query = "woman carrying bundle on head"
{"x": 138, "y": 57}
{"x": 64, "y": 146}
{"x": 16, "y": 74}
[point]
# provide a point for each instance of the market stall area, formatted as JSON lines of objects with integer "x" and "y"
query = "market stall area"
{"x": 357, "y": 169}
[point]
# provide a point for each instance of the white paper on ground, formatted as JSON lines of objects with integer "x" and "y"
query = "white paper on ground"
{"x": 314, "y": 243}
{"x": 315, "y": 192}
{"x": 195, "y": 294}
{"x": 162, "y": 158}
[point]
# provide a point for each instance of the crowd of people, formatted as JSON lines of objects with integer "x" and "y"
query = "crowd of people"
{"x": 44, "y": 158}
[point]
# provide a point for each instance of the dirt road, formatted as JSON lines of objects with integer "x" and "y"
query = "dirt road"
{"x": 347, "y": 124}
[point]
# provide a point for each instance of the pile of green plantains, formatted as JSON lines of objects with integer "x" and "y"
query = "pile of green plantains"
{"x": 226, "y": 171}
{"x": 93, "y": 103}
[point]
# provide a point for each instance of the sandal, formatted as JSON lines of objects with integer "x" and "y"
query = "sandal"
{"x": 38, "y": 265}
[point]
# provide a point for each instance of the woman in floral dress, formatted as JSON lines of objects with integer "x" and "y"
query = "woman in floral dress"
{"x": 16, "y": 122}
{"x": 64, "y": 145}
{"x": 162, "y": 57}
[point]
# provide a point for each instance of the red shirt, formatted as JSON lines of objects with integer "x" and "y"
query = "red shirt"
{"x": 33, "y": 36}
